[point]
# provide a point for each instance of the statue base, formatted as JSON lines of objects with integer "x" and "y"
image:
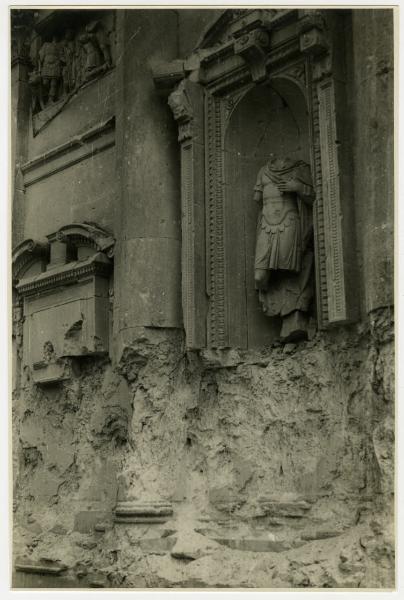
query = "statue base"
{"x": 294, "y": 327}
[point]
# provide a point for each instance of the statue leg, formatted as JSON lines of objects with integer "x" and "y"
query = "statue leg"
{"x": 45, "y": 89}
{"x": 53, "y": 89}
{"x": 261, "y": 277}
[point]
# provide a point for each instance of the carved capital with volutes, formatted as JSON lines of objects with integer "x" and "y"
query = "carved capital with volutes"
{"x": 253, "y": 46}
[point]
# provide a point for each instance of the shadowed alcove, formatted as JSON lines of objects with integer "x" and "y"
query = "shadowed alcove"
{"x": 269, "y": 119}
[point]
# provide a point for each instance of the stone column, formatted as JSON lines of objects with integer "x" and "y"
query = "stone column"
{"x": 147, "y": 276}
{"x": 147, "y": 218}
{"x": 373, "y": 106}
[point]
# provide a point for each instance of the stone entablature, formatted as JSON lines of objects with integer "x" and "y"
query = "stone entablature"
{"x": 66, "y": 301}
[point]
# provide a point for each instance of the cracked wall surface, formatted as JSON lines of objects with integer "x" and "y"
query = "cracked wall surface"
{"x": 278, "y": 465}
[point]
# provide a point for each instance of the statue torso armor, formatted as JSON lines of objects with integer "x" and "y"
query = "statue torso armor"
{"x": 51, "y": 64}
{"x": 276, "y": 205}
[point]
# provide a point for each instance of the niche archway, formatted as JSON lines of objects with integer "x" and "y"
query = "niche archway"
{"x": 270, "y": 118}
{"x": 283, "y": 69}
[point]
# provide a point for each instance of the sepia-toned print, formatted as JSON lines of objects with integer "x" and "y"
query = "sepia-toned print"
{"x": 202, "y": 298}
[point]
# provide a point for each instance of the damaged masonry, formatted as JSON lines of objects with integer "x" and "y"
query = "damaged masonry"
{"x": 203, "y": 332}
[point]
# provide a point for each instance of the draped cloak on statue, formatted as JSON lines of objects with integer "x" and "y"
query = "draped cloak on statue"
{"x": 284, "y": 233}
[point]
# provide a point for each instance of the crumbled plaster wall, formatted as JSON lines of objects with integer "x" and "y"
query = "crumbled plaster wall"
{"x": 279, "y": 465}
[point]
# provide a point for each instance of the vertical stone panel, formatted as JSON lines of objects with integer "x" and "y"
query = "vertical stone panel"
{"x": 216, "y": 261}
{"x": 337, "y": 305}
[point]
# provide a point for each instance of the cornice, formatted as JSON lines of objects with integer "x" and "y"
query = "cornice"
{"x": 67, "y": 274}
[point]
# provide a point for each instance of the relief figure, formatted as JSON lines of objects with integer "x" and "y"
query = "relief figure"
{"x": 69, "y": 62}
{"x": 96, "y": 50}
{"x": 50, "y": 66}
{"x": 284, "y": 254}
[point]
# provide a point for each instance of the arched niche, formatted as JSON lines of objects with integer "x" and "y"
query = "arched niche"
{"x": 285, "y": 69}
{"x": 268, "y": 119}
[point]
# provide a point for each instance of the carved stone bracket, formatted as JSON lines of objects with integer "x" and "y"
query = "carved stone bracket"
{"x": 180, "y": 105}
{"x": 167, "y": 75}
{"x": 313, "y": 35}
{"x": 253, "y": 47}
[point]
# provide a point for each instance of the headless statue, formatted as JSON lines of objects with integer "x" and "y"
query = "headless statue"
{"x": 284, "y": 255}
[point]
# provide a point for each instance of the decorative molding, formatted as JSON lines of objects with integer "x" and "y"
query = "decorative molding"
{"x": 318, "y": 216}
{"x": 232, "y": 99}
{"x": 337, "y": 309}
{"x": 231, "y": 81}
{"x": 216, "y": 260}
{"x": 283, "y": 53}
{"x": 138, "y": 512}
{"x": 72, "y": 272}
{"x": 79, "y": 148}
{"x": 86, "y": 234}
{"x": 297, "y": 72}
{"x": 27, "y": 253}
{"x": 188, "y": 255}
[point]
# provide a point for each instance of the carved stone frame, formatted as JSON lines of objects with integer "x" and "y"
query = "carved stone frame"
{"x": 306, "y": 47}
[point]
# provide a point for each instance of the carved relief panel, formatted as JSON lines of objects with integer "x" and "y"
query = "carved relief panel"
{"x": 65, "y": 303}
{"x": 265, "y": 80}
{"x": 66, "y": 51}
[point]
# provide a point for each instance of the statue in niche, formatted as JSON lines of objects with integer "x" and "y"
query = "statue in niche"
{"x": 284, "y": 254}
{"x": 96, "y": 50}
{"x": 50, "y": 68}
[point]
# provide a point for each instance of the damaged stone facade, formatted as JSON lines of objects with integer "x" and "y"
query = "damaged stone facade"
{"x": 145, "y": 453}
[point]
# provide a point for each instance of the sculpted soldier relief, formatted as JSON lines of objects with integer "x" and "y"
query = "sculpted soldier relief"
{"x": 67, "y": 61}
{"x": 284, "y": 254}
